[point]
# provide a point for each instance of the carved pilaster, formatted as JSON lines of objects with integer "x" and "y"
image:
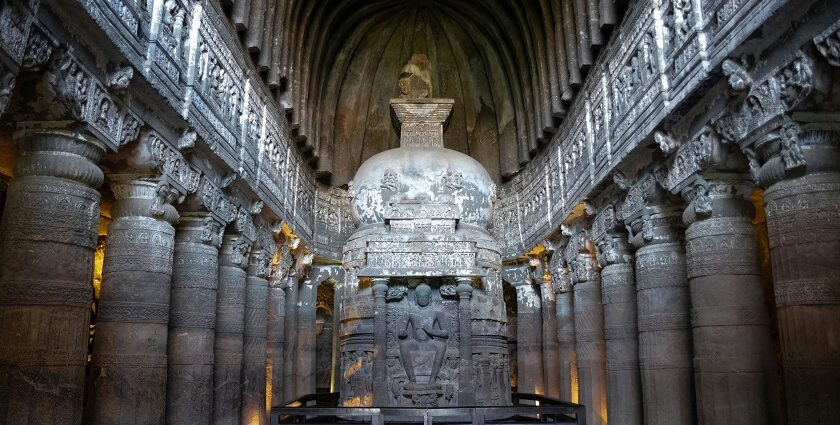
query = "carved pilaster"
{"x": 589, "y": 326}
{"x": 662, "y": 298}
{"x": 253, "y": 361}
{"x": 230, "y": 326}
{"x": 129, "y": 376}
{"x": 49, "y": 234}
{"x": 618, "y": 292}
{"x": 466, "y": 395}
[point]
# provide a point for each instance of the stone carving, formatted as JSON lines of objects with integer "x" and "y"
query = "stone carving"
{"x": 422, "y": 329}
{"x": 828, "y": 44}
{"x": 416, "y": 78}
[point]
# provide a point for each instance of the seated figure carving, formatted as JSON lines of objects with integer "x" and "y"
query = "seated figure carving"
{"x": 422, "y": 329}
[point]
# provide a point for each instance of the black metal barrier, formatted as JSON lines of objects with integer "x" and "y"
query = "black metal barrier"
{"x": 315, "y": 409}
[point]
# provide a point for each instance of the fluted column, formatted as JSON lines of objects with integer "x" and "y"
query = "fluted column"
{"x": 803, "y": 222}
{"x": 551, "y": 354}
{"x": 565, "y": 329}
{"x": 253, "y": 359}
{"x": 230, "y": 325}
{"x": 192, "y": 321}
{"x": 733, "y": 366}
{"x": 529, "y": 339}
{"x": 589, "y": 331}
{"x": 276, "y": 316}
{"x": 304, "y": 359}
{"x": 49, "y": 234}
{"x": 380, "y": 373}
{"x": 618, "y": 295}
{"x": 129, "y": 359}
{"x": 663, "y": 306}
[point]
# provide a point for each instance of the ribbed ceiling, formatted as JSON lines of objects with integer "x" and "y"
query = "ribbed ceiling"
{"x": 511, "y": 66}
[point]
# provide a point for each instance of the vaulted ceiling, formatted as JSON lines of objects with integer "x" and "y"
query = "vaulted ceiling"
{"x": 512, "y": 67}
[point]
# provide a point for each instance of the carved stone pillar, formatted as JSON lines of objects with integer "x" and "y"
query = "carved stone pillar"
{"x": 589, "y": 328}
{"x": 253, "y": 358}
{"x": 466, "y": 392}
{"x": 803, "y": 222}
{"x": 230, "y": 325}
{"x": 49, "y": 234}
{"x": 192, "y": 321}
{"x": 733, "y": 366}
{"x": 290, "y": 349}
{"x": 380, "y": 392}
{"x": 797, "y": 164}
{"x": 129, "y": 360}
{"x": 274, "y": 342}
{"x": 551, "y": 355}
{"x": 304, "y": 359}
{"x": 565, "y": 329}
{"x": 618, "y": 294}
{"x": 663, "y": 306}
{"x": 529, "y": 338}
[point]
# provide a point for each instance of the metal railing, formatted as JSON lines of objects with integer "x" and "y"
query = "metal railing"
{"x": 526, "y": 409}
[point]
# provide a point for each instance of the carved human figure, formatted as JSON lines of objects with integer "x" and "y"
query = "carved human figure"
{"x": 422, "y": 328}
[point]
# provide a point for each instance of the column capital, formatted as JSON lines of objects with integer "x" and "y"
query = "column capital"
{"x": 200, "y": 227}
{"x": 234, "y": 251}
{"x": 143, "y": 197}
{"x": 57, "y": 150}
{"x": 464, "y": 287}
{"x": 610, "y": 237}
{"x": 259, "y": 264}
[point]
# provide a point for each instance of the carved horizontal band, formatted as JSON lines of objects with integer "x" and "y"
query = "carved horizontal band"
{"x": 818, "y": 291}
{"x": 191, "y": 359}
{"x": 729, "y": 364}
{"x": 625, "y": 332}
{"x": 43, "y": 357}
{"x": 728, "y": 316}
{"x": 132, "y": 312}
{"x": 663, "y": 322}
{"x": 63, "y": 165}
{"x": 130, "y": 360}
{"x": 46, "y": 292}
{"x": 192, "y": 319}
{"x": 628, "y": 364}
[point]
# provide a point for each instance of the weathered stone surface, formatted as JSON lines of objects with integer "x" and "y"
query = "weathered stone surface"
{"x": 129, "y": 360}
{"x": 255, "y": 330}
{"x": 49, "y": 231}
{"x": 192, "y": 321}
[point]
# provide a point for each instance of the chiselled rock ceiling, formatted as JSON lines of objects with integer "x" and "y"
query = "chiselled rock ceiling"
{"x": 511, "y": 66}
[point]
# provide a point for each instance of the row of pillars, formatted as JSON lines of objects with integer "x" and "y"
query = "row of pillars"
{"x": 187, "y": 324}
{"x": 673, "y": 327}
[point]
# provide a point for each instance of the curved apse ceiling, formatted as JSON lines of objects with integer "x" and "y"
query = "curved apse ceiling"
{"x": 512, "y": 67}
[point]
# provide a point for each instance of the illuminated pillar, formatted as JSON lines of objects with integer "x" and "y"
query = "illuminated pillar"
{"x": 230, "y": 323}
{"x": 304, "y": 359}
{"x": 276, "y": 317}
{"x": 663, "y": 305}
{"x": 253, "y": 359}
{"x": 129, "y": 359}
{"x": 618, "y": 293}
{"x": 529, "y": 338}
{"x": 291, "y": 339}
{"x": 49, "y": 234}
{"x": 551, "y": 354}
{"x": 565, "y": 330}
{"x": 192, "y": 321}
{"x": 589, "y": 337}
